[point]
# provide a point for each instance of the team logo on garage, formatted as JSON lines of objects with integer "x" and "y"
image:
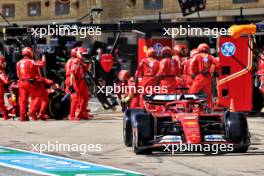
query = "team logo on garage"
{"x": 158, "y": 47}
{"x": 228, "y": 49}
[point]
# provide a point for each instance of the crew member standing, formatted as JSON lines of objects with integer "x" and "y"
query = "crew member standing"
{"x": 186, "y": 70}
{"x": 3, "y": 81}
{"x": 78, "y": 87}
{"x": 180, "y": 52}
{"x": 27, "y": 71}
{"x": 168, "y": 70}
{"x": 146, "y": 73}
{"x": 68, "y": 69}
{"x": 200, "y": 71}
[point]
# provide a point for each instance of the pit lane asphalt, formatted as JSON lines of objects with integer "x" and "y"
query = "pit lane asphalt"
{"x": 106, "y": 129}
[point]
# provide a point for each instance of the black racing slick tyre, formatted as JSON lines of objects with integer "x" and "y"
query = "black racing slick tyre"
{"x": 127, "y": 128}
{"x": 127, "y": 125}
{"x": 56, "y": 108}
{"x": 236, "y": 131}
{"x": 143, "y": 133}
{"x": 257, "y": 100}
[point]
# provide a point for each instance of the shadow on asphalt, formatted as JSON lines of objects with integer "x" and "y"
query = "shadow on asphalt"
{"x": 253, "y": 150}
{"x": 196, "y": 154}
{"x": 260, "y": 114}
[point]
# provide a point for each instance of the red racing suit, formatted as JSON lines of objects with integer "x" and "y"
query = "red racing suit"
{"x": 129, "y": 91}
{"x": 43, "y": 101}
{"x": 134, "y": 100}
{"x": 3, "y": 81}
{"x": 146, "y": 75}
{"x": 187, "y": 78}
{"x": 27, "y": 72}
{"x": 81, "y": 96}
{"x": 261, "y": 72}
{"x": 200, "y": 68}
{"x": 121, "y": 94}
{"x": 168, "y": 70}
{"x": 14, "y": 90}
{"x": 67, "y": 68}
{"x": 180, "y": 60}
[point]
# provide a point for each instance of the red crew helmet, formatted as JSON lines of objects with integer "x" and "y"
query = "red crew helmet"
{"x": 123, "y": 75}
{"x": 166, "y": 51}
{"x": 2, "y": 59}
{"x": 181, "y": 49}
{"x": 80, "y": 52}
{"x": 151, "y": 52}
{"x": 74, "y": 52}
{"x": 2, "y": 62}
{"x": 27, "y": 51}
{"x": 203, "y": 48}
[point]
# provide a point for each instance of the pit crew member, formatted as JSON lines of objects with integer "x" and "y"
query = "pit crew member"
{"x": 168, "y": 70}
{"x": 78, "y": 87}
{"x": 3, "y": 81}
{"x": 146, "y": 73}
{"x": 27, "y": 71}
{"x": 200, "y": 71}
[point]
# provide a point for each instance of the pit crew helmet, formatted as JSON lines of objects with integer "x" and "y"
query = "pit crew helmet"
{"x": 123, "y": 75}
{"x": 181, "y": 49}
{"x": 203, "y": 48}
{"x": 151, "y": 52}
{"x": 81, "y": 52}
{"x": 74, "y": 52}
{"x": 27, "y": 51}
{"x": 166, "y": 51}
{"x": 2, "y": 62}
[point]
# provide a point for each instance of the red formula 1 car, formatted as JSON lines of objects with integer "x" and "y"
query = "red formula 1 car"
{"x": 185, "y": 119}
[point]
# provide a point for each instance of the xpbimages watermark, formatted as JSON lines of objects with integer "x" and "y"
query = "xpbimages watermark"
{"x": 83, "y": 149}
{"x": 65, "y": 30}
{"x": 208, "y": 148}
{"x": 126, "y": 89}
{"x": 195, "y": 31}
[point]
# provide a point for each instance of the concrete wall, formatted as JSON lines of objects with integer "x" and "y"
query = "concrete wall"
{"x": 115, "y": 10}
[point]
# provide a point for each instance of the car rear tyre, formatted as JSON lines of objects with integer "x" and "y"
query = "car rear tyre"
{"x": 257, "y": 100}
{"x": 127, "y": 128}
{"x": 127, "y": 125}
{"x": 143, "y": 133}
{"x": 236, "y": 131}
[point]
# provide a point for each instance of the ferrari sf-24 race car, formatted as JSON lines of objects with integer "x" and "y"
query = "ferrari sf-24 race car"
{"x": 185, "y": 119}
